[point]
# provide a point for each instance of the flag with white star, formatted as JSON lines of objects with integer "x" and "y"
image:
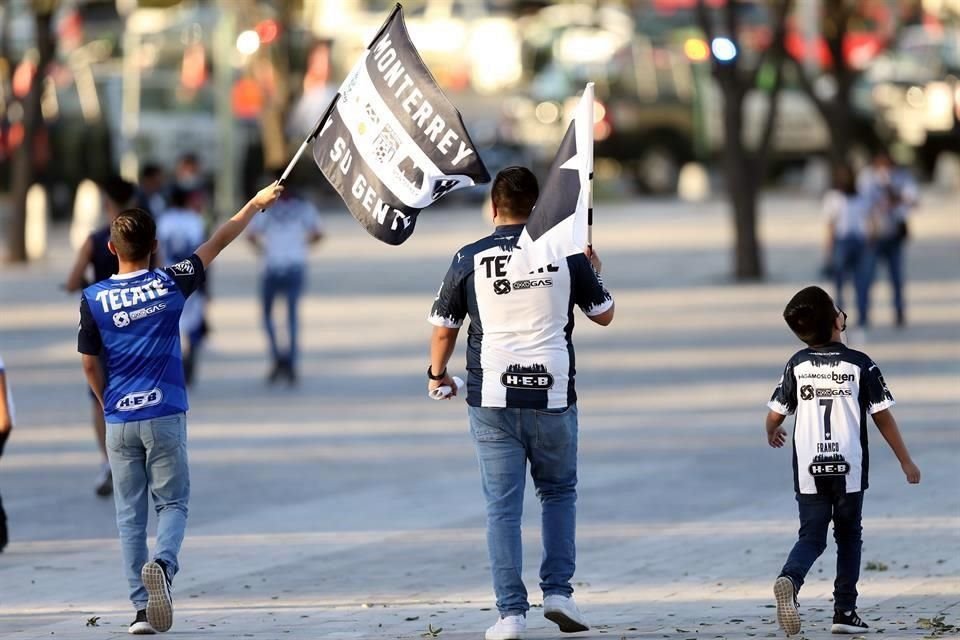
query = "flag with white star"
{"x": 558, "y": 225}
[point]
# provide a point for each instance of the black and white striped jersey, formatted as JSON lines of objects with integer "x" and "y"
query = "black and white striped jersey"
{"x": 831, "y": 389}
{"x": 519, "y": 348}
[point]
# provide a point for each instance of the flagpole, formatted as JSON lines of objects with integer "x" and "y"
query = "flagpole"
{"x": 590, "y": 181}
{"x": 306, "y": 143}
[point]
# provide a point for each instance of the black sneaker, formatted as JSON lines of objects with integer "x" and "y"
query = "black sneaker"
{"x": 140, "y": 626}
{"x": 787, "y": 608}
{"x": 159, "y": 598}
{"x": 848, "y": 622}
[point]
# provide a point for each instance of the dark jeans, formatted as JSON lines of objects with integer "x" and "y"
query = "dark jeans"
{"x": 816, "y": 512}
{"x": 890, "y": 251}
{"x": 3, "y": 526}
{"x": 289, "y": 283}
{"x": 851, "y": 259}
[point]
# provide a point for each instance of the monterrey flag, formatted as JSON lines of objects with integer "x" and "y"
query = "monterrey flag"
{"x": 391, "y": 143}
{"x": 557, "y": 227}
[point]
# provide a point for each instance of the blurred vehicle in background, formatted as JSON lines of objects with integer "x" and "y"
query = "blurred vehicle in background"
{"x": 657, "y": 104}
{"x": 916, "y": 89}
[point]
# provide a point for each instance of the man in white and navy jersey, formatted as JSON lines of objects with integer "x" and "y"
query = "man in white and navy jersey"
{"x": 832, "y": 390}
{"x": 129, "y": 336}
{"x": 521, "y": 394}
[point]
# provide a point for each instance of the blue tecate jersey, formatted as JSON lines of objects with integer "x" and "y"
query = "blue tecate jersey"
{"x": 132, "y": 322}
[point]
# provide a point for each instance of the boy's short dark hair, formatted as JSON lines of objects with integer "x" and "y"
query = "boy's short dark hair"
{"x": 514, "y": 192}
{"x": 811, "y": 315}
{"x": 133, "y": 234}
{"x": 118, "y": 191}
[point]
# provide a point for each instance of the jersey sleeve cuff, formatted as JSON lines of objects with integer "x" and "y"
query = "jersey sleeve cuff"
{"x": 880, "y": 406}
{"x": 597, "y": 309}
{"x": 777, "y": 407}
{"x": 443, "y": 321}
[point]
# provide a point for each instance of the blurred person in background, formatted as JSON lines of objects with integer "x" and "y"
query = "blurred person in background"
{"x": 150, "y": 196}
{"x": 284, "y": 238}
{"x": 318, "y": 91}
{"x": 891, "y": 192}
{"x": 188, "y": 174}
{"x": 6, "y": 426}
{"x": 180, "y": 230}
{"x": 847, "y": 215}
{"x": 95, "y": 259}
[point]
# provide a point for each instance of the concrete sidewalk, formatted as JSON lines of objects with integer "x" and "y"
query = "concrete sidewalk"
{"x": 351, "y": 507}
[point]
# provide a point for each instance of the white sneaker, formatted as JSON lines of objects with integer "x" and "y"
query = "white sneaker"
{"x": 564, "y": 612}
{"x": 509, "y": 628}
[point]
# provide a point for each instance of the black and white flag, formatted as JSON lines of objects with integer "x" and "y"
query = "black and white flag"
{"x": 392, "y": 144}
{"x": 558, "y": 225}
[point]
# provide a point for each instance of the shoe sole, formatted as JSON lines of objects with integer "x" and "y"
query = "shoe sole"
{"x": 507, "y": 636}
{"x": 159, "y": 602}
{"x": 565, "y": 622}
{"x": 787, "y": 615}
{"x": 846, "y": 628}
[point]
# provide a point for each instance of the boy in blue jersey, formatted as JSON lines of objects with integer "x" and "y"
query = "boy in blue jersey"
{"x": 831, "y": 389}
{"x": 130, "y": 340}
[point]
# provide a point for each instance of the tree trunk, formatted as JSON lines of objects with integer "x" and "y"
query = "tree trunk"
{"x": 743, "y": 186}
{"x": 22, "y": 170}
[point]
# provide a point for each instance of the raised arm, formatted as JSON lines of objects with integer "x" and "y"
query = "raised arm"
{"x": 229, "y": 230}
{"x": 887, "y": 425}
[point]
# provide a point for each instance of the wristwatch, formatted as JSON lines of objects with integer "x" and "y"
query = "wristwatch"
{"x": 433, "y": 377}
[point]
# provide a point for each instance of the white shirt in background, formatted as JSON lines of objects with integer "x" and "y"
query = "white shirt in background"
{"x": 285, "y": 231}
{"x": 847, "y": 214}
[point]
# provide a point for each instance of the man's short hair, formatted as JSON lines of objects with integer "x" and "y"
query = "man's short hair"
{"x": 514, "y": 192}
{"x": 811, "y": 315}
{"x": 133, "y": 234}
{"x": 118, "y": 191}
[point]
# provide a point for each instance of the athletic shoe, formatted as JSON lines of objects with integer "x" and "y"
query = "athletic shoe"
{"x": 564, "y": 612}
{"x": 104, "y": 482}
{"x": 140, "y": 626}
{"x": 508, "y": 628}
{"x": 848, "y": 622}
{"x": 159, "y": 600}
{"x": 787, "y": 614}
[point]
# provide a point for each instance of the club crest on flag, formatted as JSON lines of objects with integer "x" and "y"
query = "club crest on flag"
{"x": 558, "y": 226}
{"x": 391, "y": 144}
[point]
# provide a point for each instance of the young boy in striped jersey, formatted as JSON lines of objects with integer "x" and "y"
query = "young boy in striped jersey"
{"x": 130, "y": 340}
{"x": 831, "y": 389}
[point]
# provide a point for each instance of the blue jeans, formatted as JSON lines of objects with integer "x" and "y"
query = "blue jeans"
{"x": 290, "y": 283}
{"x": 889, "y": 250}
{"x": 816, "y": 511}
{"x": 149, "y": 454}
{"x": 506, "y": 439}
{"x": 851, "y": 258}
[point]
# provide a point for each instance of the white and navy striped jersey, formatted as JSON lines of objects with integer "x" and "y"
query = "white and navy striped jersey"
{"x": 831, "y": 389}
{"x": 519, "y": 349}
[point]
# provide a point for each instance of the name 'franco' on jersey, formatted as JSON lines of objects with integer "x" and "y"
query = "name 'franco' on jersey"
{"x": 519, "y": 348}
{"x": 831, "y": 389}
{"x": 132, "y": 322}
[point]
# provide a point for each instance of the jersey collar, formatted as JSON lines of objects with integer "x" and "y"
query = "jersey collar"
{"x": 129, "y": 276}
{"x": 509, "y": 229}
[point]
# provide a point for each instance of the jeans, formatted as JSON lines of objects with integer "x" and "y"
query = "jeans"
{"x": 290, "y": 283}
{"x": 889, "y": 250}
{"x": 850, "y": 257}
{"x": 506, "y": 439}
{"x": 816, "y": 511}
{"x": 149, "y": 454}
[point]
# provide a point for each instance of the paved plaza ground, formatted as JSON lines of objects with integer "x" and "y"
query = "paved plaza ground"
{"x": 350, "y": 507}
